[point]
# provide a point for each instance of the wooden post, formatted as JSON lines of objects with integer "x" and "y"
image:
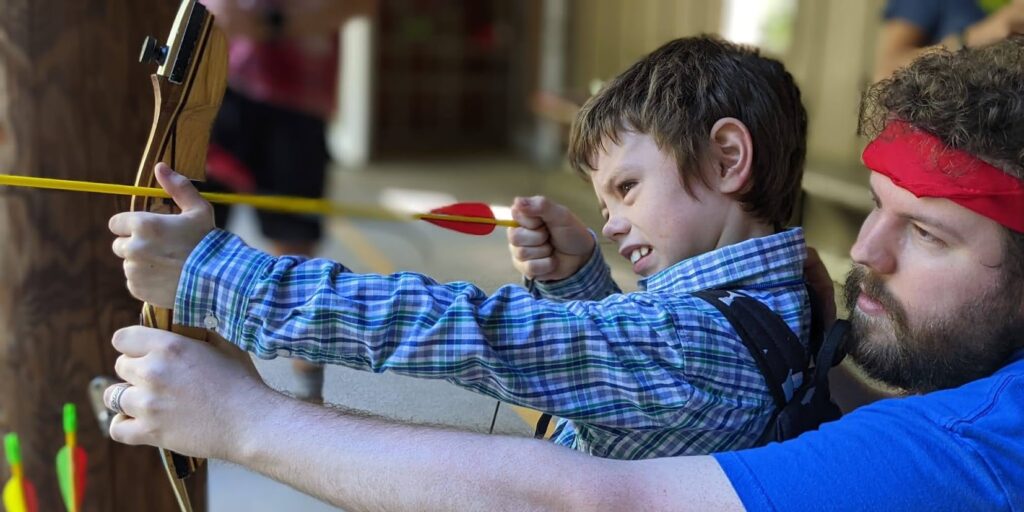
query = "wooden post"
{"x": 74, "y": 103}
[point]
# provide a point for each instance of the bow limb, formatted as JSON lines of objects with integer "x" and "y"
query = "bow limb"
{"x": 188, "y": 88}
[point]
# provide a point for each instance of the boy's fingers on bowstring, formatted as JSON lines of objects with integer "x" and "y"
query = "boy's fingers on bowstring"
{"x": 539, "y": 268}
{"x": 548, "y": 211}
{"x": 526, "y": 237}
{"x": 531, "y": 253}
{"x": 526, "y": 213}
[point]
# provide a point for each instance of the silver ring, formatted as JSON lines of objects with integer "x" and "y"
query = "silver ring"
{"x": 115, "y": 397}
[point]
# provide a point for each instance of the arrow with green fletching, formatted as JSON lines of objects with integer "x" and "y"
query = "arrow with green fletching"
{"x": 72, "y": 463}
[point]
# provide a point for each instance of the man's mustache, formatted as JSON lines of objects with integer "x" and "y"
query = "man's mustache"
{"x": 859, "y": 280}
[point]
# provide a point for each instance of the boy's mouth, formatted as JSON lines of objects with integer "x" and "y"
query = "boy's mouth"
{"x": 639, "y": 258}
{"x": 638, "y": 253}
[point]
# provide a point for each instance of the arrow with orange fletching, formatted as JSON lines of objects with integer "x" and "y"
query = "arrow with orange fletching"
{"x": 468, "y": 218}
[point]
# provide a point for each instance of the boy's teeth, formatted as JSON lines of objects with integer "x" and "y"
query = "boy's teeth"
{"x": 639, "y": 253}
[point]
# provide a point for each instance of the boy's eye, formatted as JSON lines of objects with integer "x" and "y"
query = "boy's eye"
{"x": 626, "y": 186}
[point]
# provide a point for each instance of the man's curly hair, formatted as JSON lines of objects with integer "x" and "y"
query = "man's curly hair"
{"x": 972, "y": 100}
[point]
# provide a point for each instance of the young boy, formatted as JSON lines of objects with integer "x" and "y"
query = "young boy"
{"x": 696, "y": 151}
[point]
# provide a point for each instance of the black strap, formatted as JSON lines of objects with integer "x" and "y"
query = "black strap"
{"x": 542, "y": 426}
{"x": 777, "y": 351}
{"x": 817, "y": 330}
{"x": 832, "y": 352}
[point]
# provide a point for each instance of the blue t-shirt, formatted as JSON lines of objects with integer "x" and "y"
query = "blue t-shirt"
{"x": 936, "y": 18}
{"x": 958, "y": 449}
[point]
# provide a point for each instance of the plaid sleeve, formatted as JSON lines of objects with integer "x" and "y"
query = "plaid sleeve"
{"x": 575, "y": 359}
{"x": 591, "y": 282}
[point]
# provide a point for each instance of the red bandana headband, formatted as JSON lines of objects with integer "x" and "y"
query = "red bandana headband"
{"x": 923, "y": 165}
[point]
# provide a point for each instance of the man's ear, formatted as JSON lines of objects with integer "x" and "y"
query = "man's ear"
{"x": 732, "y": 155}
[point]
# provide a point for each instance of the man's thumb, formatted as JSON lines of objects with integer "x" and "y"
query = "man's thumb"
{"x": 179, "y": 187}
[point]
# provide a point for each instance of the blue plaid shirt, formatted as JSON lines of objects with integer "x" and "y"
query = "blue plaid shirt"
{"x": 652, "y": 373}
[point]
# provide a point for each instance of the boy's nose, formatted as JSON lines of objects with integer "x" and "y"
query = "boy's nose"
{"x": 615, "y": 227}
{"x": 876, "y": 244}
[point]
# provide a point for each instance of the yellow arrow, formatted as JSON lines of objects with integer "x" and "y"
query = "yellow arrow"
{"x": 284, "y": 204}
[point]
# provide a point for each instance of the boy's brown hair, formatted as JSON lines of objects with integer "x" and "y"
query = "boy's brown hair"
{"x": 679, "y": 91}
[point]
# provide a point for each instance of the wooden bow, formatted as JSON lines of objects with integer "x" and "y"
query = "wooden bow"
{"x": 188, "y": 88}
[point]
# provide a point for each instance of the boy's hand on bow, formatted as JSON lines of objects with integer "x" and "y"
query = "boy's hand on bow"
{"x": 155, "y": 246}
{"x": 551, "y": 243}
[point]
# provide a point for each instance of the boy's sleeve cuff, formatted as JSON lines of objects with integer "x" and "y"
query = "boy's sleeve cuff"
{"x": 215, "y": 285}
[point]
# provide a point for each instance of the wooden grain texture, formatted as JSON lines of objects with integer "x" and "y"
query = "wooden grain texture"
{"x": 74, "y": 103}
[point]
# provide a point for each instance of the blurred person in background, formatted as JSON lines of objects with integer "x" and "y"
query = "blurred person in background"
{"x": 269, "y": 137}
{"x": 912, "y": 27}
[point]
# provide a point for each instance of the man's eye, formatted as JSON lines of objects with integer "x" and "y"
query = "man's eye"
{"x": 925, "y": 235}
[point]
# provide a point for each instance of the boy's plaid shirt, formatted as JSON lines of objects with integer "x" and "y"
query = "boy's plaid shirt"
{"x": 646, "y": 374}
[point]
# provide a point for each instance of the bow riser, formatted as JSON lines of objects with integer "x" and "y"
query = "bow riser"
{"x": 187, "y": 88}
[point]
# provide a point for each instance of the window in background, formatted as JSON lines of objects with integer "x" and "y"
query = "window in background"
{"x": 764, "y": 23}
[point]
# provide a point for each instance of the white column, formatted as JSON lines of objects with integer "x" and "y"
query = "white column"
{"x": 349, "y": 132}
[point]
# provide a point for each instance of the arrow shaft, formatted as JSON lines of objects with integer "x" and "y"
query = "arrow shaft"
{"x": 283, "y": 204}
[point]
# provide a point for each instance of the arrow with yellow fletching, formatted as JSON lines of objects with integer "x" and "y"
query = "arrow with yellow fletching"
{"x": 469, "y": 218}
{"x": 19, "y": 494}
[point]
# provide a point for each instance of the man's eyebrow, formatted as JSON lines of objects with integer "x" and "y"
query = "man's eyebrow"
{"x": 922, "y": 218}
{"x": 933, "y": 222}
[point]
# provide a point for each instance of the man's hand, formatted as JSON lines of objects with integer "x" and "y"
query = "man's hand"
{"x": 190, "y": 397}
{"x": 155, "y": 246}
{"x": 551, "y": 243}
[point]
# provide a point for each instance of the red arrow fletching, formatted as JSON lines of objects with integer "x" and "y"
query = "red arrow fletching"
{"x": 31, "y": 499}
{"x": 477, "y": 210}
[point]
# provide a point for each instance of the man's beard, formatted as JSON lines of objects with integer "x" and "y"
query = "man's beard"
{"x": 960, "y": 346}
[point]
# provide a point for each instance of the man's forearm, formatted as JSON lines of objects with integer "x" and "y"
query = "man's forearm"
{"x": 361, "y": 463}
{"x": 364, "y": 463}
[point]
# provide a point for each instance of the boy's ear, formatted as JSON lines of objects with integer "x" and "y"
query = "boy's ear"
{"x": 732, "y": 155}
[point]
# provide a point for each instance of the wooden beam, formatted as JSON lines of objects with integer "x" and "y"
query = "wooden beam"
{"x": 74, "y": 103}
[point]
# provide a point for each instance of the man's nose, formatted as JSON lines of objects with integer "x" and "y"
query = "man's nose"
{"x": 876, "y": 244}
